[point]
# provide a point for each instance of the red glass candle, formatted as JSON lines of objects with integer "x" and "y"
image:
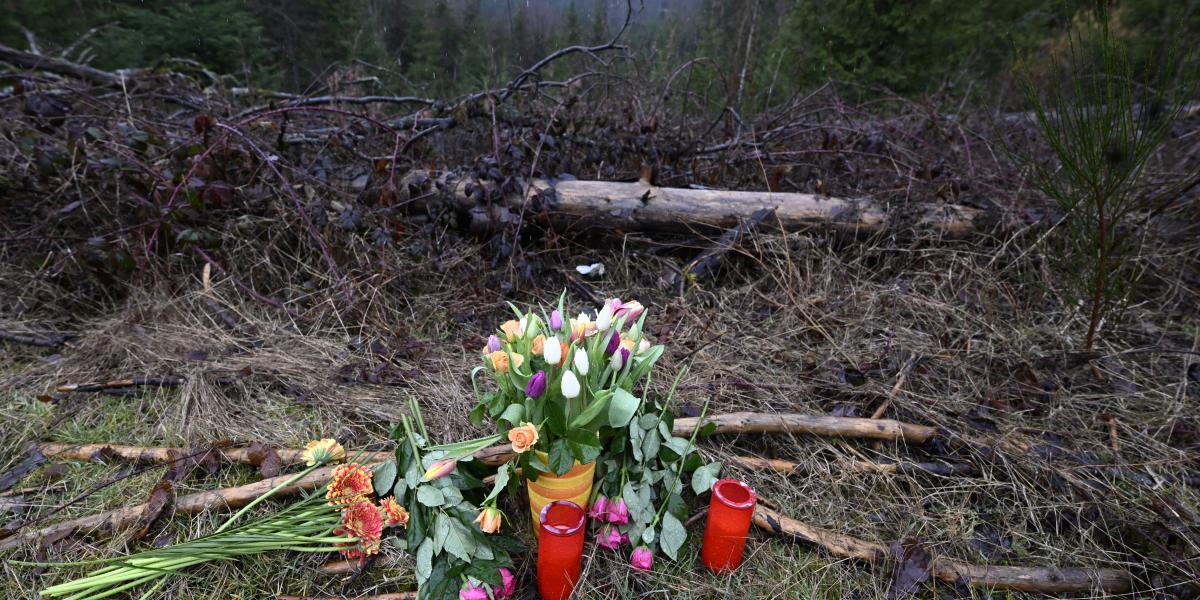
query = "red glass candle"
{"x": 729, "y": 512}
{"x": 560, "y": 548}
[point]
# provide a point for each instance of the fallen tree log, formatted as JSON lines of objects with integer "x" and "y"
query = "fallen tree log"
{"x": 346, "y": 567}
{"x": 855, "y": 466}
{"x": 639, "y": 206}
{"x": 742, "y": 422}
{"x": 1028, "y": 579}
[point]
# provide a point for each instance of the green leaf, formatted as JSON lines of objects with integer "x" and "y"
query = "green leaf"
{"x": 648, "y": 536}
{"x": 556, "y": 416}
{"x": 707, "y": 430}
{"x": 622, "y": 407}
{"x": 424, "y": 561}
{"x": 648, "y": 421}
{"x": 459, "y": 542}
{"x": 561, "y": 458}
{"x": 385, "y": 477}
{"x": 651, "y": 443}
{"x": 513, "y": 415}
{"x": 632, "y": 501}
{"x": 636, "y": 435}
{"x": 592, "y": 412}
{"x": 450, "y": 494}
{"x": 585, "y": 446}
{"x": 501, "y": 480}
{"x": 704, "y": 477}
{"x": 430, "y": 496}
{"x": 477, "y": 414}
{"x": 673, "y": 536}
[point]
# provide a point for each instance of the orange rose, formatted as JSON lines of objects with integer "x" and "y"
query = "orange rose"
{"x": 523, "y": 438}
{"x": 500, "y": 360}
{"x": 539, "y": 344}
{"x": 489, "y": 519}
{"x": 511, "y": 329}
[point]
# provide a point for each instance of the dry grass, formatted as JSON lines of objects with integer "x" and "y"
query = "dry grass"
{"x": 793, "y": 325}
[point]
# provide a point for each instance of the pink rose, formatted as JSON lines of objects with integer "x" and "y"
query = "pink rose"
{"x": 642, "y": 559}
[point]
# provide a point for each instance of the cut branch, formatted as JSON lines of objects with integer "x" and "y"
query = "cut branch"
{"x": 388, "y": 596}
{"x": 58, "y": 66}
{"x": 1027, "y": 579}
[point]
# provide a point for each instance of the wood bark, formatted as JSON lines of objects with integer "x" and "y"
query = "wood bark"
{"x": 346, "y": 567}
{"x": 639, "y": 206}
{"x": 1027, "y": 579}
{"x": 742, "y": 422}
{"x": 854, "y": 466}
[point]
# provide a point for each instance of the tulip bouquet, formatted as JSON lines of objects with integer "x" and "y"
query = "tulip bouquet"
{"x": 572, "y": 390}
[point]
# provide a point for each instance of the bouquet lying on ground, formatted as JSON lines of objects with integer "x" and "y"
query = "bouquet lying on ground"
{"x": 342, "y": 516}
{"x": 572, "y": 389}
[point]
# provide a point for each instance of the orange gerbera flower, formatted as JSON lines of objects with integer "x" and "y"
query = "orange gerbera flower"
{"x": 500, "y": 360}
{"x": 351, "y": 483}
{"x": 393, "y": 513}
{"x": 361, "y": 520}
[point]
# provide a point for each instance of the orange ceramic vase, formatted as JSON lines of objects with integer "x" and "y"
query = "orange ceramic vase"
{"x": 574, "y": 485}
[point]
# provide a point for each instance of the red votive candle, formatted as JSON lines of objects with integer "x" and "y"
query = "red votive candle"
{"x": 560, "y": 548}
{"x": 729, "y": 512}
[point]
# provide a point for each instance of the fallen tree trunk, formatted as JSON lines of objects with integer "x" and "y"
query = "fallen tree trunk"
{"x": 388, "y": 596}
{"x": 638, "y": 206}
{"x": 743, "y": 422}
{"x": 1027, "y": 579}
{"x": 855, "y": 466}
{"x": 345, "y": 567}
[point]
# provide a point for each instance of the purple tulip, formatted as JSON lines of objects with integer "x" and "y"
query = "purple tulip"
{"x": 618, "y": 512}
{"x": 642, "y": 558}
{"x": 614, "y": 342}
{"x": 556, "y": 321}
{"x": 537, "y": 385}
{"x": 599, "y": 508}
{"x": 493, "y": 344}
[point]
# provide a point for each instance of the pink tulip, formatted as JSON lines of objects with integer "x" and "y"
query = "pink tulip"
{"x": 599, "y": 508}
{"x": 508, "y": 584}
{"x": 631, "y": 311}
{"x": 642, "y": 558}
{"x": 440, "y": 469}
{"x": 618, "y": 512}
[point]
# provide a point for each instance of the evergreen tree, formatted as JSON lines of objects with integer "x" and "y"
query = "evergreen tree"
{"x": 474, "y": 70}
{"x": 599, "y": 25}
{"x": 449, "y": 52}
{"x": 572, "y": 30}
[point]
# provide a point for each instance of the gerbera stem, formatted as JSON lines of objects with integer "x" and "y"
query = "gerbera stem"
{"x": 245, "y": 509}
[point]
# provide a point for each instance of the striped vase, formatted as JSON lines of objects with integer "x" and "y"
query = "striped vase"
{"x": 574, "y": 485}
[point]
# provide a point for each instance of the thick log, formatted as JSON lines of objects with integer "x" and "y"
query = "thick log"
{"x": 1027, "y": 579}
{"x": 854, "y": 466}
{"x": 823, "y": 425}
{"x": 346, "y": 567}
{"x": 638, "y": 206}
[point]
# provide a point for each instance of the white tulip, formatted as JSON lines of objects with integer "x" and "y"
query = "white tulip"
{"x": 570, "y": 385}
{"x": 615, "y": 361}
{"x": 551, "y": 351}
{"x": 604, "y": 318}
{"x": 581, "y": 362}
{"x": 643, "y": 346}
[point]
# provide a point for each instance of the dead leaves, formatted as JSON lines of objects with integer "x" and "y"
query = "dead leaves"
{"x": 913, "y": 566}
{"x": 265, "y": 458}
{"x": 160, "y": 501}
{"x": 29, "y": 463}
